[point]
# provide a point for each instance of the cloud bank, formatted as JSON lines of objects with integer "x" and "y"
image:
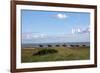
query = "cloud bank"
{"x": 80, "y": 31}
{"x": 77, "y": 35}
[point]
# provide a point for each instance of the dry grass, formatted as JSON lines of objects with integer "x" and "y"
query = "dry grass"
{"x": 63, "y": 53}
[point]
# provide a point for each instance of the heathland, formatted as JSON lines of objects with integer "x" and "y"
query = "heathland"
{"x": 54, "y": 54}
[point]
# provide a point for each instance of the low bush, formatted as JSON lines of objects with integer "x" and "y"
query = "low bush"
{"x": 45, "y": 51}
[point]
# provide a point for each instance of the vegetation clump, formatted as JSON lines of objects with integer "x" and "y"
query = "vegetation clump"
{"x": 45, "y": 51}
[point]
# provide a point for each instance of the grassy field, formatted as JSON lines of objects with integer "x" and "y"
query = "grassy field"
{"x": 61, "y": 54}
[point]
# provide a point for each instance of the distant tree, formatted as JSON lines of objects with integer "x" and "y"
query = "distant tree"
{"x": 40, "y": 45}
{"x": 57, "y": 45}
{"x": 77, "y": 45}
{"x": 72, "y": 45}
{"x": 49, "y": 45}
{"x": 84, "y": 45}
{"x": 64, "y": 45}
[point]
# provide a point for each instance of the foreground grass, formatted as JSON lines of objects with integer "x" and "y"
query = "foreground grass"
{"x": 63, "y": 53}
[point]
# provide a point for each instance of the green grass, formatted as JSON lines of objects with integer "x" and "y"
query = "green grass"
{"x": 61, "y": 54}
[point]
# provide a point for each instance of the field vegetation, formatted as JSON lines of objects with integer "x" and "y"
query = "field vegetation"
{"x": 54, "y": 54}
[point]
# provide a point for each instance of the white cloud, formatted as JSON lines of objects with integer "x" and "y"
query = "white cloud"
{"x": 81, "y": 31}
{"x": 76, "y": 30}
{"x": 61, "y": 16}
{"x": 26, "y": 35}
{"x": 33, "y": 35}
{"x": 42, "y": 35}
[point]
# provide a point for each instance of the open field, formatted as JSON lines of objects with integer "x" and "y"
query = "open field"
{"x": 60, "y": 54}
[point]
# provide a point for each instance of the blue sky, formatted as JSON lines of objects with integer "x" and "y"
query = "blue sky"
{"x": 52, "y": 26}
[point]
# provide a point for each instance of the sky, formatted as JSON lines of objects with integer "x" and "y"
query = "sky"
{"x": 54, "y": 26}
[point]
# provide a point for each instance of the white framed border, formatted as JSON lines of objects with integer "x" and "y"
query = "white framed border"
{"x": 20, "y": 65}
